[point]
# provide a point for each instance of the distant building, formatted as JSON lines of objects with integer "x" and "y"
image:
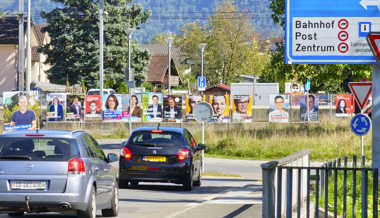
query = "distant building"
{"x": 158, "y": 67}
{"x": 9, "y": 53}
{"x": 218, "y": 89}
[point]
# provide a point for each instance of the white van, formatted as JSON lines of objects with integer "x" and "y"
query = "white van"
{"x": 105, "y": 91}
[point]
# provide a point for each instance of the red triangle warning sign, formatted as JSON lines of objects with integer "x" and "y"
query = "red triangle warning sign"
{"x": 373, "y": 38}
{"x": 361, "y": 91}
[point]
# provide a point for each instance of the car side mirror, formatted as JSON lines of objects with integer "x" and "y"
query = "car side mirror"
{"x": 201, "y": 147}
{"x": 112, "y": 157}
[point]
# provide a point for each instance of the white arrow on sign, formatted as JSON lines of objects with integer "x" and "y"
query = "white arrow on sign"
{"x": 366, "y": 3}
{"x": 365, "y": 121}
{"x": 354, "y": 124}
{"x": 363, "y": 130}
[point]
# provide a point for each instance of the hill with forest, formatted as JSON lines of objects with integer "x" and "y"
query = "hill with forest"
{"x": 168, "y": 16}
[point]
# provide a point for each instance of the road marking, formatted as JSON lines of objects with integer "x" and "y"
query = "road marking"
{"x": 247, "y": 195}
{"x": 210, "y": 197}
{"x": 242, "y": 195}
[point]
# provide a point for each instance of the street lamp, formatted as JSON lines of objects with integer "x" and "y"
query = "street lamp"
{"x": 169, "y": 40}
{"x": 202, "y": 47}
{"x": 129, "y": 32}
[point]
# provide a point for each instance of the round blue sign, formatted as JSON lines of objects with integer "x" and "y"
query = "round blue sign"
{"x": 360, "y": 124}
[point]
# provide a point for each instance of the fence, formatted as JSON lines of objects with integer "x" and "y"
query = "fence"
{"x": 271, "y": 183}
{"x": 322, "y": 176}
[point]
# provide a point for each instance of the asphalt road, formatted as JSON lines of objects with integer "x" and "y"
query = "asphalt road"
{"x": 217, "y": 197}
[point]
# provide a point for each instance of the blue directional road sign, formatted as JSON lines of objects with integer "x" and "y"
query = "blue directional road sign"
{"x": 360, "y": 124}
{"x": 201, "y": 83}
{"x": 330, "y": 31}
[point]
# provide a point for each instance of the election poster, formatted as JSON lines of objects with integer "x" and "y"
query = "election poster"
{"x": 111, "y": 107}
{"x": 132, "y": 107}
{"x": 279, "y": 108}
{"x": 56, "y": 107}
{"x": 310, "y": 108}
{"x": 343, "y": 105}
{"x": 21, "y": 110}
{"x": 191, "y": 102}
{"x": 152, "y": 107}
{"x": 220, "y": 106}
{"x": 75, "y": 107}
{"x": 172, "y": 108}
{"x": 93, "y": 106}
{"x": 242, "y": 108}
{"x": 124, "y": 107}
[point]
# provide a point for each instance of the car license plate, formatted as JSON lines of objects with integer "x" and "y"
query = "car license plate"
{"x": 28, "y": 185}
{"x": 154, "y": 158}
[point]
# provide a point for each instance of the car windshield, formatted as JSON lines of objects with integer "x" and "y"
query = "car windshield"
{"x": 38, "y": 149}
{"x": 162, "y": 139}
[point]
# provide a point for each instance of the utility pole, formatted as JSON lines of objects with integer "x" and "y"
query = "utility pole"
{"x": 21, "y": 55}
{"x": 28, "y": 52}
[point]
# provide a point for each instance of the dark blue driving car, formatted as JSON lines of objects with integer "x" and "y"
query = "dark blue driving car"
{"x": 161, "y": 154}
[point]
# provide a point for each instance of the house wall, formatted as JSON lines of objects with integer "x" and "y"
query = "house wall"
{"x": 7, "y": 67}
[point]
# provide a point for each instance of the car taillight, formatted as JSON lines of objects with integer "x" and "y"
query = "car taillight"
{"x": 183, "y": 154}
{"x": 76, "y": 166}
{"x": 126, "y": 153}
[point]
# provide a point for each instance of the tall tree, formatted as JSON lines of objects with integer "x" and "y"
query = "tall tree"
{"x": 227, "y": 35}
{"x": 74, "y": 45}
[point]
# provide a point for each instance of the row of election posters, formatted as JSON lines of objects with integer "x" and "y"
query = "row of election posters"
{"x": 279, "y": 108}
{"x": 241, "y": 107}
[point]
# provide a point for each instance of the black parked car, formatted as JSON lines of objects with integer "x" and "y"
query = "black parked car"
{"x": 161, "y": 154}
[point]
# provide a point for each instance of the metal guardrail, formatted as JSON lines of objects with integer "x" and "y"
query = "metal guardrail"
{"x": 322, "y": 179}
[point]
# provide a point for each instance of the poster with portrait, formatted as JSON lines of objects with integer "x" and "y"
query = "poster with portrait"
{"x": 124, "y": 107}
{"x": 93, "y": 106}
{"x": 343, "y": 105}
{"x": 368, "y": 106}
{"x": 135, "y": 109}
{"x": 75, "y": 107}
{"x": 296, "y": 99}
{"x": 172, "y": 105}
{"x": 279, "y": 108}
{"x": 241, "y": 108}
{"x": 311, "y": 108}
{"x": 111, "y": 107}
{"x": 191, "y": 102}
{"x": 56, "y": 107}
{"x": 152, "y": 107}
{"x": 220, "y": 105}
{"x": 21, "y": 110}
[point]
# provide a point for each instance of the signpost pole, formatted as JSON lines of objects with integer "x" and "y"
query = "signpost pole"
{"x": 307, "y": 107}
{"x": 203, "y": 151}
{"x": 375, "y": 116}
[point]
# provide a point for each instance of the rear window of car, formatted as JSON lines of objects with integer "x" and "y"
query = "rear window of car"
{"x": 39, "y": 149}
{"x": 164, "y": 139}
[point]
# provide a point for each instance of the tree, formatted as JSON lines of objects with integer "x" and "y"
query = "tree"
{"x": 227, "y": 35}
{"x": 256, "y": 62}
{"x": 74, "y": 45}
{"x": 326, "y": 77}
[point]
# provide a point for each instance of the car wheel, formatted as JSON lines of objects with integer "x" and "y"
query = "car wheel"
{"x": 134, "y": 182}
{"x": 90, "y": 212}
{"x": 188, "y": 185}
{"x": 114, "y": 210}
{"x": 16, "y": 214}
{"x": 123, "y": 184}
{"x": 199, "y": 180}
